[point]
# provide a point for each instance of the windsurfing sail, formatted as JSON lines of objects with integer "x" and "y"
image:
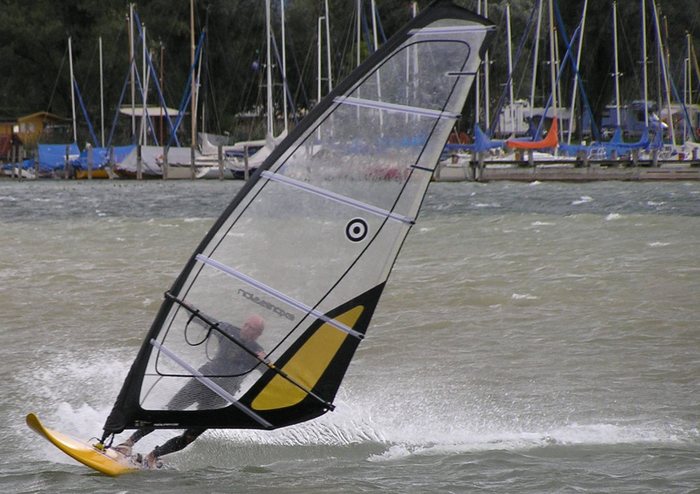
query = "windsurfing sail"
{"x": 307, "y": 244}
{"x": 550, "y": 141}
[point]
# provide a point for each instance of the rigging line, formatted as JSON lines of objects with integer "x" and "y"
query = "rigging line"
{"x": 211, "y": 384}
{"x": 276, "y": 177}
{"x": 380, "y": 105}
{"x": 278, "y": 295}
{"x": 264, "y": 361}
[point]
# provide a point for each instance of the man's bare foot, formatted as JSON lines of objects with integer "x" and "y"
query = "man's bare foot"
{"x": 124, "y": 448}
{"x": 151, "y": 462}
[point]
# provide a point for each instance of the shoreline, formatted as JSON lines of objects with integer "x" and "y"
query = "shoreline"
{"x": 572, "y": 171}
{"x": 518, "y": 170}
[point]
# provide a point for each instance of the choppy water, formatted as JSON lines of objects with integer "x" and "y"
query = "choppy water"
{"x": 533, "y": 338}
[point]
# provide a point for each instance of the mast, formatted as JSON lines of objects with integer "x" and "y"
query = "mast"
{"x": 552, "y": 67}
{"x": 477, "y": 80}
{"x": 161, "y": 76}
{"x": 535, "y": 59}
{"x": 687, "y": 98}
{"x": 328, "y": 48}
{"x": 144, "y": 88}
{"x": 510, "y": 69}
{"x": 487, "y": 117}
{"x": 319, "y": 60}
{"x": 72, "y": 88}
{"x": 664, "y": 71}
{"x": 374, "y": 25}
{"x": 578, "y": 64}
{"x": 617, "y": 69}
{"x": 284, "y": 72}
{"x": 102, "y": 98}
{"x": 644, "y": 64}
{"x": 358, "y": 32}
{"x": 270, "y": 123}
{"x": 193, "y": 107}
{"x": 132, "y": 72}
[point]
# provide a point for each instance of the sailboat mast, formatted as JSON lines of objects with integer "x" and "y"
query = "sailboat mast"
{"x": 644, "y": 64}
{"x": 284, "y": 70}
{"x": 102, "y": 97}
{"x": 487, "y": 117}
{"x": 374, "y": 24}
{"x": 552, "y": 67}
{"x": 319, "y": 60}
{"x": 358, "y": 32}
{"x": 535, "y": 59}
{"x": 664, "y": 71}
{"x": 328, "y": 47}
{"x": 510, "y": 71}
{"x": 687, "y": 90}
{"x": 578, "y": 64}
{"x": 617, "y": 69}
{"x": 270, "y": 129}
{"x": 144, "y": 88}
{"x": 477, "y": 80}
{"x": 72, "y": 88}
{"x": 193, "y": 104}
{"x": 132, "y": 72}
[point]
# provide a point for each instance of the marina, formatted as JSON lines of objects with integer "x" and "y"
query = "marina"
{"x": 524, "y": 171}
{"x": 370, "y": 299}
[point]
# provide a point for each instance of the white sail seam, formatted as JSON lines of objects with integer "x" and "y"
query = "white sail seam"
{"x": 278, "y": 295}
{"x": 452, "y": 30}
{"x": 381, "y": 105}
{"x": 210, "y": 384}
{"x": 337, "y": 197}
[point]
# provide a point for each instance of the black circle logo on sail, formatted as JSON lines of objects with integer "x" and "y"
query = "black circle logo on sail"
{"x": 356, "y": 230}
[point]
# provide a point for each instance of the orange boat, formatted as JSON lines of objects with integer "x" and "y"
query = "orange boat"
{"x": 550, "y": 141}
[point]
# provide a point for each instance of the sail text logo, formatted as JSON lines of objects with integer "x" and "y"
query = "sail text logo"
{"x": 264, "y": 303}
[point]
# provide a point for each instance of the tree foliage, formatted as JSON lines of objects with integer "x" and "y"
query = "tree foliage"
{"x": 34, "y": 56}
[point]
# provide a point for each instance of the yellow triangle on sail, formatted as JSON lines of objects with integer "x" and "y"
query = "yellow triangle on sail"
{"x": 307, "y": 365}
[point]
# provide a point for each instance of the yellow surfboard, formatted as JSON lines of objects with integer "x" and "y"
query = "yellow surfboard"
{"x": 106, "y": 461}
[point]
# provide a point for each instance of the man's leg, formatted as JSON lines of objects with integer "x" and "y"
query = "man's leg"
{"x": 173, "y": 445}
{"x": 125, "y": 447}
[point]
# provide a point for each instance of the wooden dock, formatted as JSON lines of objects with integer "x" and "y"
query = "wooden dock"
{"x": 524, "y": 171}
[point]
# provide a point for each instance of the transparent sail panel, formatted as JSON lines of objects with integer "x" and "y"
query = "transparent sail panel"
{"x": 321, "y": 226}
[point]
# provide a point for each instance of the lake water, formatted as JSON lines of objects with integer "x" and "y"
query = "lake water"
{"x": 532, "y": 338}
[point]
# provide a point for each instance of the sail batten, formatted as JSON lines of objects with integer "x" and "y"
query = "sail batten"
{"x": 460, "y": 74}
{"x": 278, "y": 295}
{"x": 432, "y": 31}
{"x": 411, "y": 110}
{"x": 337, "y": 197}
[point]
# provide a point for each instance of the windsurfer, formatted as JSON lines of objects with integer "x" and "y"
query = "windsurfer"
{"x": 231, "y": 359}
